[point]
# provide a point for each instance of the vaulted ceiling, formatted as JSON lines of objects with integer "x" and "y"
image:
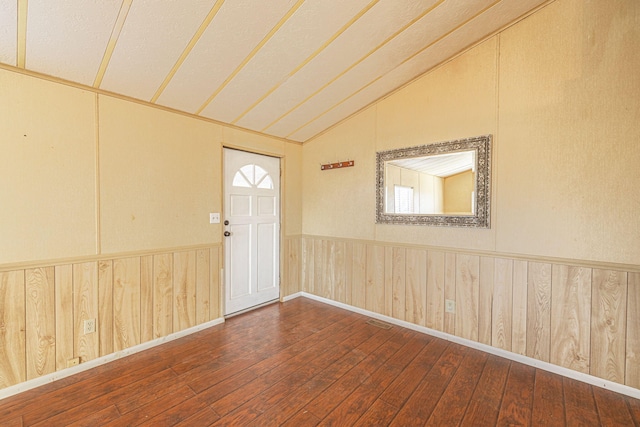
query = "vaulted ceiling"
{"x": 286, "y": 68}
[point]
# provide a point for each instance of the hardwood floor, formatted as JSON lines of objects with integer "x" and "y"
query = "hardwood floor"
{"x": 304, "y": 363}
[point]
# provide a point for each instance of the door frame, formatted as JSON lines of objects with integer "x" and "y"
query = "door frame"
{"x": 223, "y": 245}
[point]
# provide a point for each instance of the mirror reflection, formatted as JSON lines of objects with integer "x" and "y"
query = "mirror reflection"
{"x": 444, "y": 184}
{"x": 439, "y": 184}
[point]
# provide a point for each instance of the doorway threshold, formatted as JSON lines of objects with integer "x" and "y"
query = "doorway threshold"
{"x": 264, "y": 304}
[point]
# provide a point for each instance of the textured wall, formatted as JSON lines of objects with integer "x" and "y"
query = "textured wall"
{"x": 47, "y": 170}
{"x": 86, "y": 174}
{"x": 559, "y": 91}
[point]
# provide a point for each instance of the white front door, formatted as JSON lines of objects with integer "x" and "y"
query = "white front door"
{"x": 251, "y": 229}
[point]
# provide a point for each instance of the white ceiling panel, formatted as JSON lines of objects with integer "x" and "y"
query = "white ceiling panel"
{"x": 381, "y": 22}
{"x": 311, "y": 26}
{"x": 287, "y": 68}
{"x": 487, "y": 23}
{"x": 237, "y": 28}
{"x": 423, "y": 33}
{"x": 8, "y": 31}
{"x": 146, "y": 53}
{"x": 442, "y": 165}
{"x": 68, "y": 38}
{"x": 369, "y": 94}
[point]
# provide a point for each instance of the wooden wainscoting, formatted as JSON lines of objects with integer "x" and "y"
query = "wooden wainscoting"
{"x": 581, "y": 317}
{"x": 134, "y": 299}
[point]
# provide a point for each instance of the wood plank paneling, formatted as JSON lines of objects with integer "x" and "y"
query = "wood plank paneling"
{"x": 539, "y": 311}
{"x": 434, "y": 318}
{"x": 571, "y": 317}
{"x": 485, "y": 299}
{"x": 632, "y": 375}
{"x": 40, "y": 321}
{"x": 184, "y": 290}
{"x": 215, "y": 290}
{"x": 388, "y": 281}
{"x": 64, "y": 315}
{"x": 502, "y": 304}
{"x": 85, "y": 298}
{"x": 608, "y": 324}
{"x": 339, "y": 272}
{"x": 398, "y": 286}
{"x": 449, "y": 325}
{"x": 358, "y": 271}
{"x": 328, "y": 248}
{"x": 12, "y": 328}
{"x": 348, "y": 272}
{"x": 467, "y": 290}
{"x": 126, "y": 303}
{"x": 574, "y": 317}
{"x": 320, "y": 267}
{"x": 416, "y": 286}
{"x": 146, "y": 298}
{"x": 162, "y": 295}
{"x": 374, "y": 287}
{"x": 292, "y": 267}
{"x": 105, "y": 306}
{"x": 203, "y": 281}
{"x": 285, "y": 248}
{"x": 519, "y": 308}
{"x": 308, "y": 272}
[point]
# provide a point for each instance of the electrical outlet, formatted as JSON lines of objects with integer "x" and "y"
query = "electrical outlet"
{"x": 73, "y": 362}
{"x": 214, "y": 218}
{"x": 449, "y": 306}
{"x": 89, "y": 326}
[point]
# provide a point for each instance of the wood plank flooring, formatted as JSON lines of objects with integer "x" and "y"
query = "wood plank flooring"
{"x": 304, "y": 363}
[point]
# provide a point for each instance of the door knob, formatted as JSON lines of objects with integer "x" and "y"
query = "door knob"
{"x": 226, "y": 222}
{"x": 227, "y": 233}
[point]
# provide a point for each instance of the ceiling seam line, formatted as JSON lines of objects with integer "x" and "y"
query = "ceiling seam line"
{"x": 309, "y": 58}
{"x": 21, "y": 33}
{"x": 439, "y": 39}
{"x": 253, "y": 52}
{"x": 113, "y": 40}
{"x": 371, "y": 52}
{"x": 187, "y": 50}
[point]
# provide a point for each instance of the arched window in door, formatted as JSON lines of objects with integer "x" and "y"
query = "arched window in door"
{"x": 251, "y": 175}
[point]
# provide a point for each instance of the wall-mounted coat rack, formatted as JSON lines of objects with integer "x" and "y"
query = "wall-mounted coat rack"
{"x": 338, "y": 165}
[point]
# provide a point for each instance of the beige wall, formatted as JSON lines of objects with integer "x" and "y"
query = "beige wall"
{"x": 457, "y": 192}
{"x": 568, "y": 151}
{"x": 85, "y": 174}
{"x": 160, "y": 177}
{"x": 559, "y": 91}
{"x": 47, "y": 170}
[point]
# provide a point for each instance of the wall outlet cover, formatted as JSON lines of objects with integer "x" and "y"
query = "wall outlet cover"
{"x": 450, "y": 306}
{"x": 89, "y": 326}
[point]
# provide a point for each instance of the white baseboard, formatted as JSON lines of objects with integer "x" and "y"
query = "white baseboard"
{"x": 55, "y": 376}
{"x": 565, "y": 372}
{"x": 292, "y": 296}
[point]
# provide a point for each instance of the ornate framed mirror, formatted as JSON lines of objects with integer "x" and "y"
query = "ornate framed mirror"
{"x": 442, "y": 184}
